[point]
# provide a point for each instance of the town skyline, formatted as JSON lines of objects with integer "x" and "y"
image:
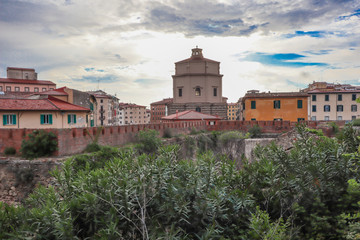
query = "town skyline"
{"x": 129, "y": 49}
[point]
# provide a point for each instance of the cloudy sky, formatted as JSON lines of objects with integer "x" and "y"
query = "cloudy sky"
{"x": 128, "y": 47}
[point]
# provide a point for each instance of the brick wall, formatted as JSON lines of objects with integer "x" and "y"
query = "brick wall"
{"x": 72, "y": 141}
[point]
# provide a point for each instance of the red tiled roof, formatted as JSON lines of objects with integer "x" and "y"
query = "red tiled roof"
{"x": 275, "y": 94}
{"x": 130, "y": 105}
{"x": 190, "y": 115}
{"x": 356, "y": 90}
{"x": 25, "y": 81}
{"x": 49, "y": 104}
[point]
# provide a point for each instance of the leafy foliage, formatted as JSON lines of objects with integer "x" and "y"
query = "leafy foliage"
{"x": 148, "y": 141}
{"x": 226, "y": 137}
{"x": 39, "y": 144}
{"x": 255, "y": 131}
{"x": 10, "y": 151}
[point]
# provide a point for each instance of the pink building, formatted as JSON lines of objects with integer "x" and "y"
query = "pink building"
{"x": 24, "y": 80}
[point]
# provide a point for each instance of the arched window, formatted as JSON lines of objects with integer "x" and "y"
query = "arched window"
{"x": 197, "y": 91}
{"x": 198, "y": 109}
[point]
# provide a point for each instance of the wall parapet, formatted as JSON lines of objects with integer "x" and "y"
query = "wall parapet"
{"x": 74, "y": 140}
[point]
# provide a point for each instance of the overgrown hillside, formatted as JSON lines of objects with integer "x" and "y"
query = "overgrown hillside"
{"x": 309, "y": 192}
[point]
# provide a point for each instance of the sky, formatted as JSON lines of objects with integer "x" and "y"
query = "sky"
{"x": 128, "y": 47}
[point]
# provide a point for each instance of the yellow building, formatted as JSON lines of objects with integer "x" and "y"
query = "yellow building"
{"x": 42, "y": 113}
{"x": 232, "y": 111}
{"x": 287, "y": 106}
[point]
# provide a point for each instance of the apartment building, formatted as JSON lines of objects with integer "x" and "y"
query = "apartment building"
{"x": 24, "y": 80}
{"x": 334, "y": 102}
{"x": 278, "y": 106}
{"x": 232, "y": 111}
{"x": 104, "y": 108}
{"x": 159, "y": 109}
{"x": 133, "y": 114}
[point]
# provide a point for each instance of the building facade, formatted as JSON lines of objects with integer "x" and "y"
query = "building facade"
{"x": 159, "y": 109}
{"x": 42, "y": 113}
{"x": 24, "y": 80}
{"x": 232, "y": 111}
{"x": 336, "y": 103}
{"x": 197, "y": 85}
{"x": 287, "y": 106}
{"x": 133, "y": 114}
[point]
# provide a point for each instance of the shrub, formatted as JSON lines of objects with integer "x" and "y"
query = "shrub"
{"x": 10, "y": 151}
{"x": 255, "y": 131}
{"x": 39, "y": 144}
{"x": 356, "y": 122}
{"x": 334, "y": 126}
{"x": 167, "y": 133}
{"x": 92, "y": 147}
{"x": 148, "y": 141}
{"x": 317, "y": 132}
{"x": 226, "y": 137}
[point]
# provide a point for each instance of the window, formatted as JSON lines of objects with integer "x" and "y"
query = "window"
{"x": 180, "y": 92}
{"x": 9, "y": 119}
{"x": 51, "y": 88}
{"x": 326, "y": 118}
{"x": 339, "y": 108}
{"x": 197, "y": 91}
{"x": 314, "y": 108}
{"x": 8, "y": 89}
{"x": 277, "y": 119}
{"x": 353, "y": 117}
{"x": 340, "y": 97}
{"x": 326, "y": 108}
{"x": 354, "y": 108}
{"x": 198, "y": 109}
{"x": 300, "y": 119}
{"x": 339, "y": 118}
{"x": 101, "y": 101}
{"x": 313, "y": 118}
{"x": 313, "y": 98}
{"x": 27, "y": 89}
{"x": 215, "y": 92}
{"x": 1, "y": 89}
{"x": 353, "y": 96}
{"x": 36, "y": 89}
{"x": 17, "y": 89}
{"x": 71, "y": 118}
{"x": 44, "y": 89}
{"x": 253, "y": 104}
{"x": 277, "y": 104}
{"x": 253, "y": 119}
{"x": 327, "y": 97}
{"x": 92, "y": 107}
{"x": 299, "y": 103}
{"x": 46, "y": 119}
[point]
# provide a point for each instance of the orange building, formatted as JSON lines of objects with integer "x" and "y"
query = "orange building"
{"x": 281, "y": 106}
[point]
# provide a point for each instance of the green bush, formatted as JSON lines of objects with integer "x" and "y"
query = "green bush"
{"x": 226, "y": 137}
{"x": 148, "y": 141}
{"x": 317, "y": 132}
{"x": 334, "y": 126}
{"x": 39, "y": 144}
{"x": 10, "y": 151}
{"x": 356, "y": 122}
{"x": 92, "y": 147}
{"x": 167, "y": 133}
{"x": 255, "y": 131}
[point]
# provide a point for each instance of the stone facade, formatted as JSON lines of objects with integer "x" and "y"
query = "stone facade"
{"x": 215, "y": 109}
{"x": 197, "y": 85}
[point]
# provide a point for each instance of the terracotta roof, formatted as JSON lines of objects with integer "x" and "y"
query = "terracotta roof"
{"x": 130, "y": 105}
{"x": 49, "y": 104}
{"x": 55, "y": 92}
{"x": 275, "y": 94}
{"x": 356, "y": 90}
{"x": 197, "y": 60}
{"x": 190, "y": 115}
{"x": 25, "y": 81}
{"x": 164, "y": 101}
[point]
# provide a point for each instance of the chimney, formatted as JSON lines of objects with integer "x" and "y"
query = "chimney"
{"x": 177, "y": 114}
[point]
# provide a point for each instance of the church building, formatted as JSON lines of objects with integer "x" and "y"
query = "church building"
{"x": 197, "y": 85}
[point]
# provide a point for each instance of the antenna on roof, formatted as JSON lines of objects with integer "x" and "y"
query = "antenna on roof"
{"x": 98, "y": 87}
